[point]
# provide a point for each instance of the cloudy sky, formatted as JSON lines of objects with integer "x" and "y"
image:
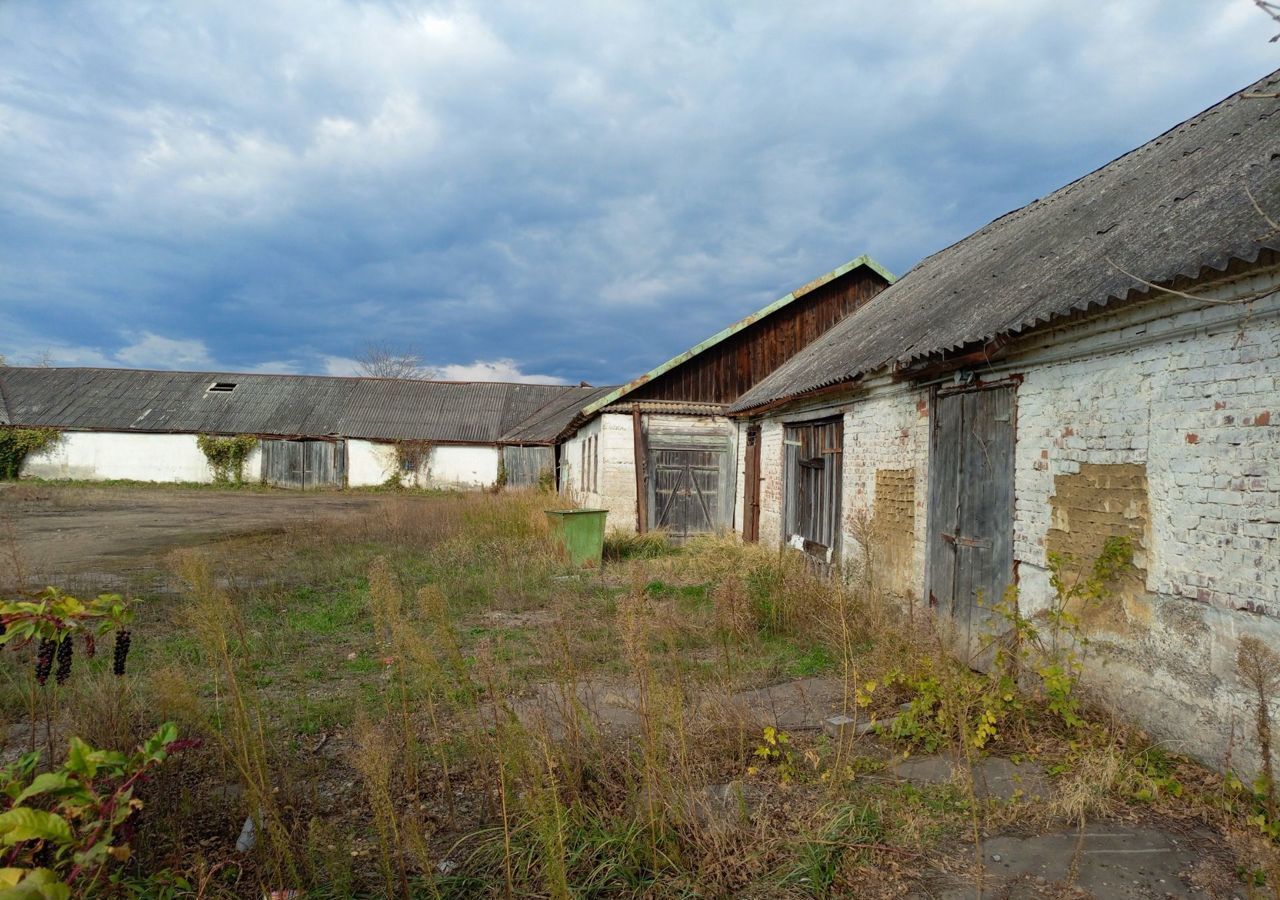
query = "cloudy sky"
{"x": 534, "y": 189}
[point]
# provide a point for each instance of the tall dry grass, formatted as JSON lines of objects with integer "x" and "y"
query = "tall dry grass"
{"x": 508, "y": 727}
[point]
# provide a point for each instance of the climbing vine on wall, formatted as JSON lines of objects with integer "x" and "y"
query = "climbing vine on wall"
{"x": 16, "y": 444}
{"x": 410, "y": 458}
{"x": 227, "y": 455}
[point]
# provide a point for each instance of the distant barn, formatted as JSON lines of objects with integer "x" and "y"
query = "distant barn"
{"x": 313, "y": 431}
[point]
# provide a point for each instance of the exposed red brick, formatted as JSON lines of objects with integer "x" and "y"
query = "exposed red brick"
{"x": 1193, "y": 438}
{"x": 1218, "y": 404}
{"x": 1262, "y": 418}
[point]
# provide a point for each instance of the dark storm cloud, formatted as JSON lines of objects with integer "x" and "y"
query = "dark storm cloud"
{"x": 575, "y": 191}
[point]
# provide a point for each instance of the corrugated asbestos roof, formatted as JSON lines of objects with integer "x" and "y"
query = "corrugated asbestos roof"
{"x": 545, "y": 424}
{"x": 283, "y": 405}
{"x": 1175, "y": 206}
{"x": 725, "y": 333}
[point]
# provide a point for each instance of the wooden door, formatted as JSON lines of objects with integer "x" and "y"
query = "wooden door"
{"x": 323, "y": 464}
{"x": 751, "y": 489}
{"x": 970, "y": 563}
{"x": 282, "y": 463}
{"x": 686, "y": 488}
{"x": 304, "y": 464}
{"x": 527, "y": 466}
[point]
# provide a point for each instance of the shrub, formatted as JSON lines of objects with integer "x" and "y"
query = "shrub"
{"x": 60, "y": 829}
{"x": 227, "y": 455}
{"x": 16, "y": 444}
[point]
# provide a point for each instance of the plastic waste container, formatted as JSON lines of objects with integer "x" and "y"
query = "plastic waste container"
{"x": 580, "y": 532}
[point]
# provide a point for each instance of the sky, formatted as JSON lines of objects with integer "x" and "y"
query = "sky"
{"x": 536, "y": 191}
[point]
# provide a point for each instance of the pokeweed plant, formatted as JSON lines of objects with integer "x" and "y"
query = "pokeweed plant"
{"x": 54, "y": 620}
{"x": 59, "y": 830}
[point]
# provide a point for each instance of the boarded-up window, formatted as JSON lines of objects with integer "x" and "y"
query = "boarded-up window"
{"x": 811, "y": 475}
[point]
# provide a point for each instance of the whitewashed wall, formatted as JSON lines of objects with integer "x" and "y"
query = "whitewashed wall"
{"x": 1189, "y": 395}
{"x": 615, "y": 482}
{"x": 108, "y": 455}
{"x": 369, "y": 463}
{"x": 740, "y": 486}
{"x": 462, "y": 466}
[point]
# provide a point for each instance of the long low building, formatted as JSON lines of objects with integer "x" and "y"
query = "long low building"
{"x": 313, "y": 431}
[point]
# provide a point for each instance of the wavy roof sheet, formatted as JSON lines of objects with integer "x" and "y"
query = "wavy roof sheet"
{"x": 280, "y": 405}
{"x": 1176, "y": 206}
{"x": 545, "y": 425}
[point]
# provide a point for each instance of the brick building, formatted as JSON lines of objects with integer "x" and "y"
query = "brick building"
{"x": 1104, "y": 362}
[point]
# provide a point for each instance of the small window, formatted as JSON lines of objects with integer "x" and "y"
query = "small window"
{"x": 222, "y": 387}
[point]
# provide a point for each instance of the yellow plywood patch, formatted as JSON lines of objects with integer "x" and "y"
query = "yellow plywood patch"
{"x": 893, "y": 529}
{"x": 1101, "y": 502}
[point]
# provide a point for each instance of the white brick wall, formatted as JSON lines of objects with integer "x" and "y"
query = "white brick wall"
{"x": 771, "y": 483}
{"x": 1196, "y": 411}
{"x": 616, "y": 478}
{"x": 888, "y": 430}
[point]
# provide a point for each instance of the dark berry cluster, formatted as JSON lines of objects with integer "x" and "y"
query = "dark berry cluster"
{"x": 44, "y": 659}
{"x": 123, "y": 639}
{"x": 65, "y": 651}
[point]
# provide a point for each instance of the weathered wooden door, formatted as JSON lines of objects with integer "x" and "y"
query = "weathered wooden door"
{"x": 970, "y": 561}
{"x": 527, "y": 466}
{"x": 751, "y": 488}
{"x": 690, "y": 474}
{"x": 686, "y": 487}
{"x": 812, "y": 474}
{"x": 304, "y": 464}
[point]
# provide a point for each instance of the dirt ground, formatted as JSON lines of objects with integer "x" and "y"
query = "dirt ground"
{"x": 54, "y": 533}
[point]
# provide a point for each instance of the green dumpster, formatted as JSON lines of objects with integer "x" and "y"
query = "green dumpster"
{"x": 580, "y": 532}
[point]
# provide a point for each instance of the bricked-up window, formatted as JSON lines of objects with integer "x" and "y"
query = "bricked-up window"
{"x": 811, "y": 461}
{"x": 589, "y": 471}
{"x": 593, "y": 463}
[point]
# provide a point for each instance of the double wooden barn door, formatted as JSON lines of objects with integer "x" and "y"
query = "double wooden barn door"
{"x": 304, "y": 465}
{"x": 686, "y": 491}
{"x": 970, "y": 563}
{"x": 690, "y": 477}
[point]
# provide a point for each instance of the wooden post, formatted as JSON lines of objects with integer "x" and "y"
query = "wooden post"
{"x": 642, "y": 491}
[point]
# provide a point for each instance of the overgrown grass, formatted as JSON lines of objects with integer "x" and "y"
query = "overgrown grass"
{"x": 623, "y": 545}
{"x": 422, "y": 700}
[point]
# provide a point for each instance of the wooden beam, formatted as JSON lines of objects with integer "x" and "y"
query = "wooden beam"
{"x": 642, "y": 493}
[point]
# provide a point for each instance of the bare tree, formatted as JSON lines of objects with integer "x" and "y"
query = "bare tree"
{"x": 382, "y": 360}
{"x": 1271, "y": 9}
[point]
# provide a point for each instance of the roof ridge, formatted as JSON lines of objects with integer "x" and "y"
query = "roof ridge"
{"x": 223, "y": 372}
